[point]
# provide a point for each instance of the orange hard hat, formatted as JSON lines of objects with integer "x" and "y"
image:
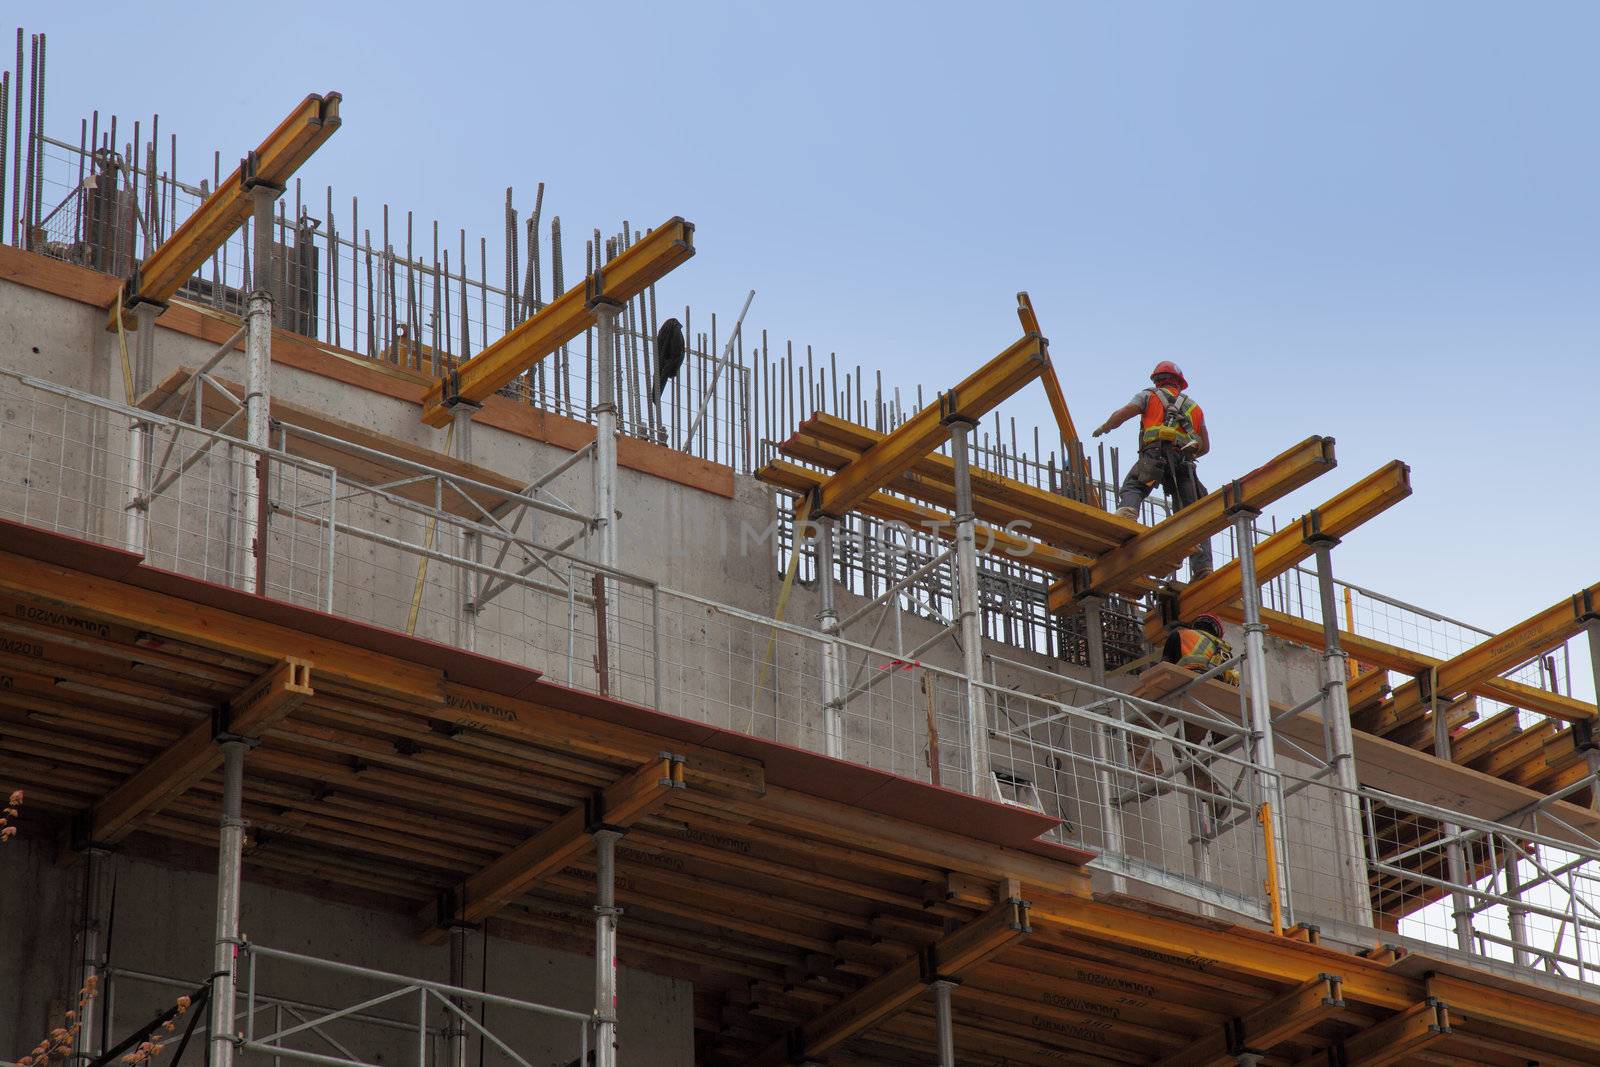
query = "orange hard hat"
{"x": 1209, "y": 623}
{"x": 1168, "y": 369}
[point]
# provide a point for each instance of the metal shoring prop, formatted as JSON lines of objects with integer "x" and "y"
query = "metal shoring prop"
{"x": 942, "y": 988}
{"x": 230, "y": 854}
{"x": 1263, "y": 749}
{"x": 606, "y": 914}
{"x": 1336, "y": 717}
{"x": 258, "y": 394}
{"x": 969, "y": 612}
{"x": 468, "y": 580}
{"x": 832, "y": 654}
{"x": 1107, "y": 747}
{"x": 1455, "y": 856}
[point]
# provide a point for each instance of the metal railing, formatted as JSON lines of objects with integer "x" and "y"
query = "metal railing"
{"x": 1168, "y": 798}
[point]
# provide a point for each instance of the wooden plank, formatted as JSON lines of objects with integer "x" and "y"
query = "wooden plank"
{"x": 1265, "y": 1027}
{"x": 1394, "y": 1039}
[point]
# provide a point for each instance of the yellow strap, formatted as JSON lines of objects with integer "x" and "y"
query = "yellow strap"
{"x": 802, "y": 514}
{"x": 422, "y": 564}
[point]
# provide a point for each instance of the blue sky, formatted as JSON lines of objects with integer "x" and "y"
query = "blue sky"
{"x": 1371, "y": 220}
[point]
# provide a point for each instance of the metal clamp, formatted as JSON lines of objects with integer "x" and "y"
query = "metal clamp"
{"x": 1233, "y": 501}
{"x": 249, "y": 177}
{"x": 1583, "y": 608}
{"x": 1311, "y": 531}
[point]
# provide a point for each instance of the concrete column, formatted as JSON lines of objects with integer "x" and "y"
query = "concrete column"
{"x": 1263, "y": 746}
{"x": 1336, "y": 717}
{"x": 1107, "y": 746}
{"x": 945, "y": 1023}
{"x": 606, "y": 914}
{"x": 230, "y": 858}
{"x": 969, "y": 614}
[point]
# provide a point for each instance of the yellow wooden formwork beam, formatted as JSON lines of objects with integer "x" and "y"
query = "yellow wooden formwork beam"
{"x": 1405, "y": 661}
{"x": 1396, "y": 1038}
{"x": 929, "y": 428}
{"x": 1292, "y": 545}
{"x": 565, "y": 317}
{"x": 1546, "y": 1017}
{"x": 1278, "y": 1020}
{"x": 996, "y": 540}
{"x": 880, "y": 998}
{"x": 1487, "y": 659}
{"x": 273, "y": 696}
{"x": 273, "y": 163}
{"x": 1053, "y": 393}
{"x": 1162, "y": 545}
{"x": 621, "y": 804}
{"x": 832, "y": 442}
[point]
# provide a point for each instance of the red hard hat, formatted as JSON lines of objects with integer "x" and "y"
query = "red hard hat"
{"x": 1215, "y": 623}
{"x": 1168, "y": 369}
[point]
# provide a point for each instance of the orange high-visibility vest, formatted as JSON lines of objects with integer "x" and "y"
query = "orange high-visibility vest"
{"x": 1168, "y": 416}
{"x": 1199, "y": 651}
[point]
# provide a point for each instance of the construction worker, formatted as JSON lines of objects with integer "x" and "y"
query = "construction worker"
{"x": 1172, "y": 435}
{"x": 1199, "y": 647}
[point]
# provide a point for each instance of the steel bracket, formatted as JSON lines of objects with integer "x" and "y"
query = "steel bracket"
{"x": 1233, "y": 501}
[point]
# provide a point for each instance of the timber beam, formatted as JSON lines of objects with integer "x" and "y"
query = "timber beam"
{"x": 196, "y": 754}
{"x": 995, "y": 540}
{"x": 1375, "y": 653}
{"x": 1290, "y": 546}
{"x": 272, "y": 164}
{"x": 646, "y": 262}
{"x": 1551, "y": 1019}
{"x": 1163, "y": 545}
{"x": 1394, "y": 1039}
{"x": 1053, "y": 392}
{"x": 617, "y": 807}
{"x": 880, "y": 998}
{"x": 1510, "y": 648}
{"x": 833, "y": 443}
{"x": 977, "y": 395}
{"x": 1280, "y": 1019}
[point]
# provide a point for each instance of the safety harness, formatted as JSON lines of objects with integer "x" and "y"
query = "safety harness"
{"x": 1176, "y": 425}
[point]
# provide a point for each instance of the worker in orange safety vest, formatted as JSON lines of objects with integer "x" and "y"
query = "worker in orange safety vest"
{"x": 1199, "y": 647}
{"x": 1172, "y": 436}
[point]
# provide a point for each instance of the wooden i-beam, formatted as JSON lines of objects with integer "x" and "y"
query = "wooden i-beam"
{"x": 1377, "y": 653}
{"x": 565, "y": 317}
{"x": 618, "y": 806}
{"x": 1510, "y": 648}
{"x": 1053, "y": 392}
{"x": 272, "y": 164}
{"x": 272, "y": 697}
{"x": 1394, "y": 1039}
{"x": 996, "y": 540}
{"x": 834, "y": 443}
{"x": 1290, "y": 546}
{"x": 880, "y": 998}
{"x": 1276, "y": 1021}
{"x": 929, "y": 428}
{"x": 1164, "y": 544}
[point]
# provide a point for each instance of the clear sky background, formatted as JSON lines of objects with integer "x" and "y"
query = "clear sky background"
{"x": 1371, "y": 220}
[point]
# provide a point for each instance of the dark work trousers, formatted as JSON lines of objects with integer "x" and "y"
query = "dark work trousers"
{"x": 1165, "y": 466}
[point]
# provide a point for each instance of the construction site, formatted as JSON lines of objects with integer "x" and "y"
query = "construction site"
{"x": 399, "y": 666}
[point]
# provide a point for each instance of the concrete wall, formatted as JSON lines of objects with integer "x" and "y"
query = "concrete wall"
{"x": 163, "y": 925}
{"x": 715, "y": 666}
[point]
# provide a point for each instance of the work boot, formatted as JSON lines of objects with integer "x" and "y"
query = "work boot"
{"x": 1128, "y": 513}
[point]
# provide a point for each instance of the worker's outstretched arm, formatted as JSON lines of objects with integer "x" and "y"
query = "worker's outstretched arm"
{"x": 1116, "y": 418}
